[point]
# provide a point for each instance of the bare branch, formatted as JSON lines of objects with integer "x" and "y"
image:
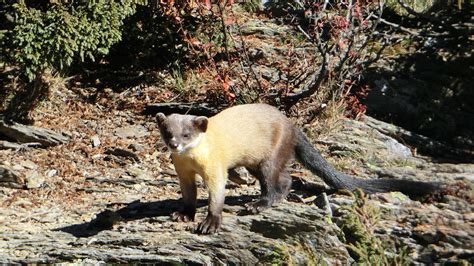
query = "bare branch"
{"x": 398, "y": 27}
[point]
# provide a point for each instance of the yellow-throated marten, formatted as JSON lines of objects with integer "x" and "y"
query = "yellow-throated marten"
{"x": 260, "y": 138}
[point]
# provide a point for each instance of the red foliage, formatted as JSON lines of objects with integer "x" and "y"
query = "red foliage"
{"x": 226, "y": 84}
{"x": 354, "y": 107}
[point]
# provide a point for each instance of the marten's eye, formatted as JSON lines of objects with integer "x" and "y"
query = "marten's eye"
{"x": 185, "y": 135}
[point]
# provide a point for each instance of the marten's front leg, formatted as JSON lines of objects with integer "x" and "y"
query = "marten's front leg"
{"x": 187, "y": 181}
{"x": 216, "y": 185}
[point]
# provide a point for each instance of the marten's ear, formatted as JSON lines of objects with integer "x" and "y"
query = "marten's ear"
{"x": 160, "y": 118}
{"x": 201, "y": 123}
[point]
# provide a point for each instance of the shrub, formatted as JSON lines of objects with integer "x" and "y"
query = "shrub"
{"x": 54, "y": 35}
{"x": 43, "y": 37}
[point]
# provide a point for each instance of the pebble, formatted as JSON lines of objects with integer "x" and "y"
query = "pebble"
{"x": 95, "y": 141}
{"x": 51, "y": 172}
{"x": 34, "y": 179}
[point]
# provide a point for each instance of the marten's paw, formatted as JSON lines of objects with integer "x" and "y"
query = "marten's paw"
{"x": 258, "y": 206}
{"x": 182, "y": 217}
{"x": 210, "y": 225}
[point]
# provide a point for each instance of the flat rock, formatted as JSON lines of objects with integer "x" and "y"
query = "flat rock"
{"x": 27, "y": 134}
{"x": 131, "y": 132}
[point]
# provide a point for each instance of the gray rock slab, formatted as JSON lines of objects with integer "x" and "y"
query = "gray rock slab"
{"x": 248, "y": 239}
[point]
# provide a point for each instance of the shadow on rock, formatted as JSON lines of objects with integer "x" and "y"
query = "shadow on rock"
{"x": 137, "y": 210}
{"x": 134, "y": 210}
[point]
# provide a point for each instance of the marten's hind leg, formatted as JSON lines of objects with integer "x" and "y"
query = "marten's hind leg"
{"x": 275, "y": 181}
{"x": 271, "y": 192}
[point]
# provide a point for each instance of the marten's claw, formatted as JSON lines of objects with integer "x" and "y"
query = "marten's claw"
{"x": 210, "y": 225}
{"x": 181, "y": 217}
{"x": 257, "y": 207}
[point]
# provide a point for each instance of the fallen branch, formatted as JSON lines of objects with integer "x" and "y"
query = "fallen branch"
{"x": 5, "y": 145}
{"x": 182, "y": 108}
{"x": 28, "y": 134}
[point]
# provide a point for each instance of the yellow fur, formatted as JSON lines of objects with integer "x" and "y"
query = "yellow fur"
{"x": 229, "y": 142}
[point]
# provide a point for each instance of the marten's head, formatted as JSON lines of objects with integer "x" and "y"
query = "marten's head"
{"x": 181, "y": 132}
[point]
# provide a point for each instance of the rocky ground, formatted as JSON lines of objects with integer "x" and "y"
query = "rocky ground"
{"x": 79, "y": 202}
{"x": 106, "y": 194}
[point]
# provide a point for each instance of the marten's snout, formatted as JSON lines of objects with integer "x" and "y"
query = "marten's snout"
{"x": 173, "y": 144}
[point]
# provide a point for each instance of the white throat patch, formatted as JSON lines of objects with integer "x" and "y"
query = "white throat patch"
{"x": 182, "y": 149}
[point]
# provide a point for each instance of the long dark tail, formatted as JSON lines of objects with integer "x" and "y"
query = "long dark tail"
{"x": 312, "y": 159}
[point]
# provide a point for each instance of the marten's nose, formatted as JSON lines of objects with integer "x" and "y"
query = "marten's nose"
{"x": 173, "y": 145}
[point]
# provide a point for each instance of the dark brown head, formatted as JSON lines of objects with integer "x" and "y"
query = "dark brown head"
{"x": 181, "y": 132}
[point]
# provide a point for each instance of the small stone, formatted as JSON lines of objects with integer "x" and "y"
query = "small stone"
{"x": 95, "y": 141}
{"x": 51, "y": 172}
{"x": 136, "y": 147}
{"x": 467, "y": 177}
{"x": 34, "y": 179}
{"x": 28, "y": 164}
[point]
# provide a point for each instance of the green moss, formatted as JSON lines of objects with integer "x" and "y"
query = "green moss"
{"x": 364, "y": 246}
{"x": 278, "y": 255}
